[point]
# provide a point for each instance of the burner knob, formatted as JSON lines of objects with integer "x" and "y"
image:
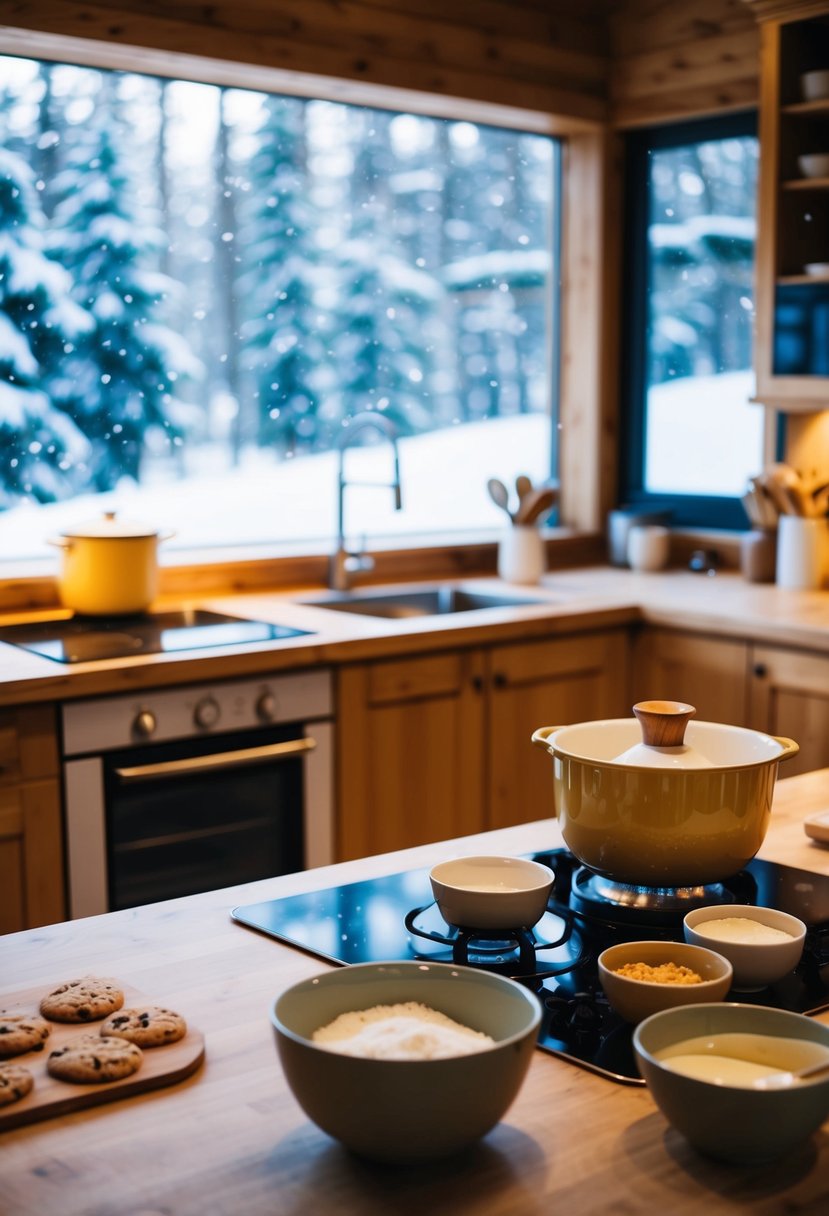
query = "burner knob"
{"x": 144, "y": 724}
{"x": 266, "y": 707}
{"x": 207, "y": 712}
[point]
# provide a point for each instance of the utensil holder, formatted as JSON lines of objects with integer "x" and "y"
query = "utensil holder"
{"x": 649, "y": 547}
{"x": 521, "y": 556}
{"x": 801, "y": 552}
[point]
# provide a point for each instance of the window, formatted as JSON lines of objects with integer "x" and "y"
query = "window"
{"x": 200, "y": 287}
{"x": 692, "y": 438}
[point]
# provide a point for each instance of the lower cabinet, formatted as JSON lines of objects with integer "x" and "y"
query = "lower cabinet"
{"x": 710, "y": 673}
{"x": 769, "y": 688}
{"x": 790, "y": 697}
{"x": 31, "y": 835}
{"x": 438, "y": 745}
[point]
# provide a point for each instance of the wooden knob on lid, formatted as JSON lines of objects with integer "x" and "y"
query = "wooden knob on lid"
{"x": 663, "y": 722}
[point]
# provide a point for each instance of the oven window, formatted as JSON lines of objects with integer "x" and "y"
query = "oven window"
{"x": 169, "y": 836}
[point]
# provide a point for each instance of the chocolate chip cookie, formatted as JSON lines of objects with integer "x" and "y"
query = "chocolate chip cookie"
{"x": 84, "y": 1000}
{"x": 147, "y": 1025}
{"x": 91, "y": 1059}
{"x": 21, "y": 1032}
{"x": 15, "y": 1082}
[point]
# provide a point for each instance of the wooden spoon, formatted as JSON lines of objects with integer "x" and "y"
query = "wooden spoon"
{"x": 523, "y": 487}
{"x": 535, "y": 504}
{"x": 499, "y": 494}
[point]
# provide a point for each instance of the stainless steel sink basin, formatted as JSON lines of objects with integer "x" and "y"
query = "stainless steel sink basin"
{"x": 432, "y": 601}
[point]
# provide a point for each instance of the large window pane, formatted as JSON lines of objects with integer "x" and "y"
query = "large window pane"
{"x": 694, "y": 436}
{"x": 200, "y": 287}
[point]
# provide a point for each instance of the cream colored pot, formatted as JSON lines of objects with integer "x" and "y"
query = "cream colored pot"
{"x": 667, "y": 814}
{"x": 109, "y": 567}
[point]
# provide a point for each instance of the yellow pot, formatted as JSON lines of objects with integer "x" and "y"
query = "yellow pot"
{"x": 652, "y": 819}
{"x": 109, "y": 567}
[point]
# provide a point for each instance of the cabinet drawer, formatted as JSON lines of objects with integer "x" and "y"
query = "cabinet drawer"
{"x": 410, "y": 679}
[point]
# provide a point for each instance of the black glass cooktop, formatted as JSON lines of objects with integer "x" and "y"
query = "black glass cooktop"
{"x": 394, "y": 917}
{"x": 86, "y": 639}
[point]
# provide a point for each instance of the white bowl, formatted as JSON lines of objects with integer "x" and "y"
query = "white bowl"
{"x": 816, "y": 164}
{"x": 818, "y": 269}
{"x": 636, "y": 1000}
{"x": 491, "y": 892}
{"x": 814, "y": 86}
{"x": 756, "y": 963}
{"x": 736, "y": 1124}
{"x": 407, "y": 1110}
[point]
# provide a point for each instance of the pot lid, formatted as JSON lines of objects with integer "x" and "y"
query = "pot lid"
{"x": 109, "y": 526}
{"x": 663, "y": 738}
{"x": 704, "y": 745}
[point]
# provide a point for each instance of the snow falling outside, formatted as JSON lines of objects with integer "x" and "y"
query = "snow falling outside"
{"x": 201, "y": 287}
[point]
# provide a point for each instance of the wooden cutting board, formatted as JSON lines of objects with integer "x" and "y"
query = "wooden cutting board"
{"x": 49, "y": 1097}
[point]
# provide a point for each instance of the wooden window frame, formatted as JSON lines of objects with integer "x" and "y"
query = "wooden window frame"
{"x": 590, "y": 249}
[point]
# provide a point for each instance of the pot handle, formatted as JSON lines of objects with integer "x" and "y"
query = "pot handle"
{"x": 790, "y": 748}
{"x": 541, "y": 735}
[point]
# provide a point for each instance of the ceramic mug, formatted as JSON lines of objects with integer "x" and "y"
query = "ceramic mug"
{"x": 648, "y": 547}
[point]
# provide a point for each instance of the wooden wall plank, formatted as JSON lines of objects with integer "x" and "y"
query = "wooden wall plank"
{"x": 393, "y": 47}
{"x": 671, "y": 61}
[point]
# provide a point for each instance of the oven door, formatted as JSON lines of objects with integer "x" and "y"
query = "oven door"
{"x": 170, "y": 819}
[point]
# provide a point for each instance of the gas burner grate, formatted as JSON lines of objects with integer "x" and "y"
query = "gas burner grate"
{"x": 552, "y": 947}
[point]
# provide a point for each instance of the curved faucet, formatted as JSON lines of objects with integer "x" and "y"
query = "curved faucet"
{"x": 343, "y": 562}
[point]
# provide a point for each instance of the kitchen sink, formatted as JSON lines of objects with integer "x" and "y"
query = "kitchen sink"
{"x": 432, "y": 601}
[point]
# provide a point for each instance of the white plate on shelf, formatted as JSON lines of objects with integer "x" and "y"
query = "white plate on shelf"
{"x": 817, "y": 269}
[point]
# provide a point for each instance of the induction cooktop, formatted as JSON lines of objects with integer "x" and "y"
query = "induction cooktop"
{"x": 86, "y": 639}
{"x": 394, "y": 917}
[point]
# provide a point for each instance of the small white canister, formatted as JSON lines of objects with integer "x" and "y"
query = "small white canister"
{"x": 802, "y": 545}
{"x": 649, "y": 547}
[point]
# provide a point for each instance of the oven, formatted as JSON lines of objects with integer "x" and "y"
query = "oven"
{"x": 176, "y": 791}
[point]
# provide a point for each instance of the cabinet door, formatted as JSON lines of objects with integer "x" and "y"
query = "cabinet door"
{"x": 31, "y": 834}
{"x": 709, "y": 673}
{"x": 410, "y": 752}
{"x": 790, "y": 697}
{"x": 551, "y": 683}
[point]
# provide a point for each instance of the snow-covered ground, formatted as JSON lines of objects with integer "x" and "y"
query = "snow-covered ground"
{"x": 704, "y": 438}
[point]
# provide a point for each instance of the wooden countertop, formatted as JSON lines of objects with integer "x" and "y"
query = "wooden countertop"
{"x": 569, "y": 600}
{"x": 231, "y": 1141}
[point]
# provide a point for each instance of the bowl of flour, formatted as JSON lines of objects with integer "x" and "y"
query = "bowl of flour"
{"x": 405, "y": 1061}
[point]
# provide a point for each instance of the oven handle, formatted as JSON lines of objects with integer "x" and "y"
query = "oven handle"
{"x": 221, "y": 760}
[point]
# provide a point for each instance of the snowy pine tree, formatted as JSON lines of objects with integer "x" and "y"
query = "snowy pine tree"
{"x": 42, "y": 452}
{"x": 128, "y": 367}
{"x": 284, "y": 350}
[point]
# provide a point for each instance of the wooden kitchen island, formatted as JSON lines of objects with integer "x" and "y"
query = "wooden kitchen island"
{"x": 231, "y": 1140}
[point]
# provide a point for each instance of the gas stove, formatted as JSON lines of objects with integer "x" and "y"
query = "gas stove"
{"x": 87, "y": 639}
{"x": 395, "y": 917}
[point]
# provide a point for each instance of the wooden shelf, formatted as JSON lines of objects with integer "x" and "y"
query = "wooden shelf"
{"x": 801, "y": 280}
{"x": 808, "y": 109}
{"x": 806, "y": 183}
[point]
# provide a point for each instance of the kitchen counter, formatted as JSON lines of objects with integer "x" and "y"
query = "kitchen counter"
{"x": 232, "y": 1140}
{"x": 570, "y": 601}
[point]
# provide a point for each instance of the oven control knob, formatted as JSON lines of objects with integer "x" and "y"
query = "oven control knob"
{"x": 144, "y": 724}
{"x": 207, "y": 712}
{"x": 266, "y": 707}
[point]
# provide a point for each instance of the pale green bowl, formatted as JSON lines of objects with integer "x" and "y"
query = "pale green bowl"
{"x": 740, "y": 1125}
{"x": 407, "y": 1110}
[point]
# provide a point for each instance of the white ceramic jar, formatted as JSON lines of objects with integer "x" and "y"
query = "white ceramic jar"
{"x": 648, "y": 547}
{"x": 521, "y": 556}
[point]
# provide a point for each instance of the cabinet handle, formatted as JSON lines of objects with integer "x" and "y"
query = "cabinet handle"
{"x": 190, "y": 766}
{"x": 500, "y": 680}
{"x": 760, "y": 670}
{"x": 478, "y": 683}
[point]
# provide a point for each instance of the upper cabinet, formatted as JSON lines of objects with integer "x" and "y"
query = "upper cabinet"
{"x": 792, "y": 347}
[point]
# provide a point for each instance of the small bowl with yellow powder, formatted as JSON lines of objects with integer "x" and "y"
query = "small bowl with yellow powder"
{"x": 405, "y": 1061}
{"x": 762, "y": 944}
{"x": 641, "y": 978}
